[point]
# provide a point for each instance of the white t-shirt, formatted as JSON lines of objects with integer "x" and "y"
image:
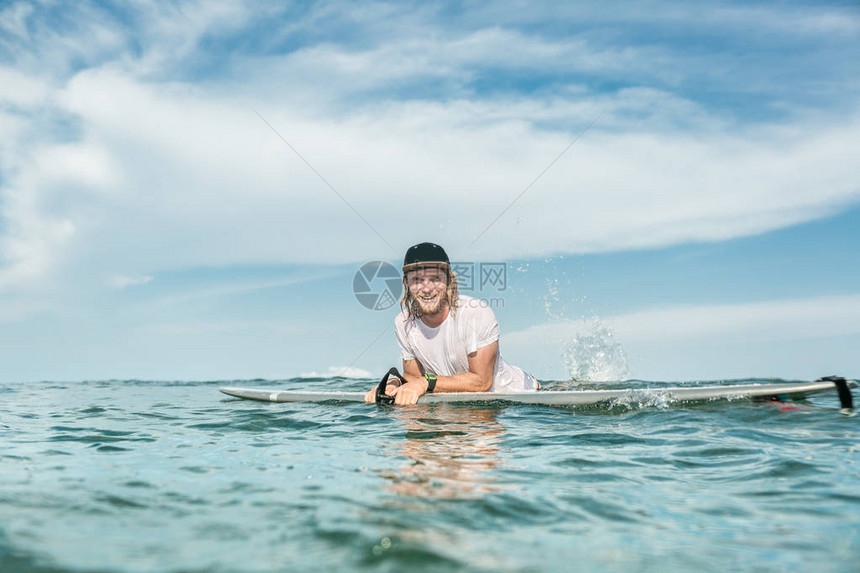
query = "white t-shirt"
{"x": 444, "y": 350}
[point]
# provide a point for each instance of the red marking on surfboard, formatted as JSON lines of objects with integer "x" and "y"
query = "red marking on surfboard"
{"x": 783, "y": 406}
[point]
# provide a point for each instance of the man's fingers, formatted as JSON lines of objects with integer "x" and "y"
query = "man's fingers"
{"x": 406, "y": 398}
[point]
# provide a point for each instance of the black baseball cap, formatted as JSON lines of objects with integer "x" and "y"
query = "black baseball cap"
{"x": 424, "y": 254}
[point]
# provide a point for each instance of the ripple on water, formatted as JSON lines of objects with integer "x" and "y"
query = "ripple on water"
{"x": 139, "y": 484}
{"x": 108, "y": 449}
{"x": 93, "y": 411}
{"x": 260, "y": 422}
{"x": 596, "y": 508}
{"x": 116, "y": 501}
{"x": 97, "y": 435}
{"x": 777, "y": 469}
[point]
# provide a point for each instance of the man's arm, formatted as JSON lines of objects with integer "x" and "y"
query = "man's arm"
{"x": 479, "y": 378}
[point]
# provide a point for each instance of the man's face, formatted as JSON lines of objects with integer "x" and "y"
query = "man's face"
{"x": 428, "y": 288}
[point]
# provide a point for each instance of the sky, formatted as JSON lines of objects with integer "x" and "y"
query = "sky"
{"x": 665, "y": 191}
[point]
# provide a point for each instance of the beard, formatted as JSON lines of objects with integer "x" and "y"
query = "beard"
{"x": 433, "y": 307}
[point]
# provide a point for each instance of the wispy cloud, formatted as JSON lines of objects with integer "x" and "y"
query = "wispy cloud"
{"x": 189, "y": 164}
{"x": 212, "y": 169}
{"x": 770, "y": 320}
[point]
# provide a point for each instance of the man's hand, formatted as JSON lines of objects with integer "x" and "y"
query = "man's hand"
{"x": 390, "y": 388}
{"x": 412, "y": 377}
{"x": 410, "y": 392}
{"x": 404, "y": 394}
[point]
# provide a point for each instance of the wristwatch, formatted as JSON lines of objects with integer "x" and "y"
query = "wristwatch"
{"x": 431, "y": 381}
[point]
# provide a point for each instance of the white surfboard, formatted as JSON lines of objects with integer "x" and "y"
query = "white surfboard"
{"x": 564, "y": 397}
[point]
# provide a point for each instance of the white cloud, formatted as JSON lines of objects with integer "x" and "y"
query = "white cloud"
{"x": 86, "y": 166}
{"x": 770, "y": 320}
{"x": 21, "y": 89}
{"x": 341, "y": 371}
{"x": 193, "y": 161}
{"x": 455, "y": 58}
{"x": 32, "y": 242}
{"x": 610, "y": 192}
{"x": 193, "y": 164}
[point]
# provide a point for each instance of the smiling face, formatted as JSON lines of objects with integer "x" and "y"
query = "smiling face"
{"x": 428, "y": 286}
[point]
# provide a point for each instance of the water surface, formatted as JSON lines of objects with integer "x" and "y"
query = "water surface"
{"x": 136, "y": 476}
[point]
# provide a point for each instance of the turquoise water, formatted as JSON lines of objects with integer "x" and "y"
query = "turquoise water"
{"x": 131, "y": 476}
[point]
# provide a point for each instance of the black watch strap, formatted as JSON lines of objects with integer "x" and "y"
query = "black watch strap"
{"x": 431, "y": 381}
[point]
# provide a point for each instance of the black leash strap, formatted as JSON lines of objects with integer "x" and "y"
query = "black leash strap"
{"x": 845, "y": 398}
{"x": 381, "y": 398}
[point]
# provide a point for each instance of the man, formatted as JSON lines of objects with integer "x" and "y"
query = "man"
{"x": 449, "y": 342}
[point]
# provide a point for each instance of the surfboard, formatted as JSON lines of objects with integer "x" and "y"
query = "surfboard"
{"x": 568, "y": 397}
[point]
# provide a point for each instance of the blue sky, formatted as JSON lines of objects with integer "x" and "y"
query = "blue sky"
{"x": 155, "y": 222}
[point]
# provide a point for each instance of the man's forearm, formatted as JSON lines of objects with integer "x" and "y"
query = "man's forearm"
{"x": 463, "y": 382}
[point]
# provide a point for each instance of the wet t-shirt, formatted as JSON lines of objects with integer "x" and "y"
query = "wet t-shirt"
{"x": 445, "y": 350}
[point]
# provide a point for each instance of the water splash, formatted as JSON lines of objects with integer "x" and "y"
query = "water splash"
{"x": 590, "y": 352}
{"x": 593, "y": 355}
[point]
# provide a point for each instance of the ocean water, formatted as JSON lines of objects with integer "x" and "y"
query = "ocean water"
{"x": 136, "y": 476}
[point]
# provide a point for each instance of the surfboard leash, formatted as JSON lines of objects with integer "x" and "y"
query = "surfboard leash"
{"x": 846, "y": 401}
{"x": 381, "y": 397}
